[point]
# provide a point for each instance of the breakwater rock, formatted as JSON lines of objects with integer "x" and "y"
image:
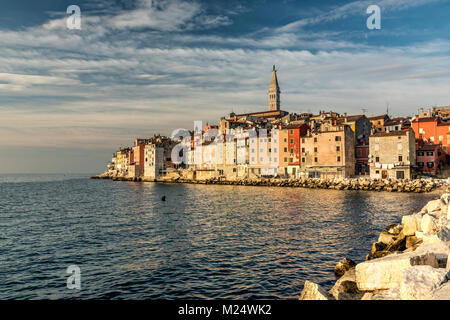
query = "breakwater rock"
{"x": 409, "y": 261}
{"x": 365, "y": 184}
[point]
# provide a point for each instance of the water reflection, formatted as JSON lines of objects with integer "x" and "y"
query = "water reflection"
{"x": 204, "y": 241}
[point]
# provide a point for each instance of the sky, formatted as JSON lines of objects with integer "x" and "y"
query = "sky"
{"x": 69, "y": 98}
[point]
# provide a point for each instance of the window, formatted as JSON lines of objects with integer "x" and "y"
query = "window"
{"x": 430, "y": 164}
{"x": 315, "y": 139}
{"x": 359, "y": 152}
{"x": 400, "y": 174}
{"x": 303, "y": 150}
{"x": 303, "y": 160}
{"x": 429, "y": 153}
{"x": 275, "y": 150}
{"x": 291, "y": 160}
{"x": 420, "y": 164}
{"x": 400, "y": 158}
{"x": 292, "y": 141}
{"x": 234, "y": 169}
{"x": 338, "y": 148}
{"x": 292, "y": 131}
{"x": 337, "y": 138}
{"x": 420, "y": 153}
{"x": 285, "y": 159}
{"x": 377, "y": 171}
{"x": 338, "y": 159}
{"x": 315, "y": 159}
{"x": 292, "y": 150}
{"x": 315, "y": 149}
{"x": 377, "y": 159}
{"x": 285, "y": 149}
{"x": 270, "y": 149}
{"x": 303, "y": 140}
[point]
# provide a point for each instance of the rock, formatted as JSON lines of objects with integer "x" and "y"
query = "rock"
{"x": 448, "y": 213}
{"x": 429, "y": 224}
{"x": 427, "y": 238}
{"x": 412, "y": 241}
{"x": 387, "y": 272}
{"x": 440, "y": 249}
{"x": 399, "y": 243}
{"x": 420, "y": 281}
{"x": 434, "y": 205}
{"x": 345, "y": 288}
{"x": 394, "y": 228}
{"x": 386, "y": 238}
{"x": 442, "y": 293}
{"x": 448, "y": 262}
{"x": 312, "y": 291}
{"x": 445, "y": 198}
{"x": 391, "y": 294}
{"x": 411, "y": 224}
{"x": 377, "y": 246}
{"x": 342, "y": 267}
{"x": 444, "y": 234}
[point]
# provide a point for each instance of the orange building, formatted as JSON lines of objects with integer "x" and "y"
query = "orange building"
{"x": 432, "y": 131}
{"x": 290, "y": 147}
{"x": 378, "y": 122}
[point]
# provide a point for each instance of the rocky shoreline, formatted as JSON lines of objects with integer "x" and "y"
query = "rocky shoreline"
{"x": 410, "y": 261}
{"x": 364, "y": 184}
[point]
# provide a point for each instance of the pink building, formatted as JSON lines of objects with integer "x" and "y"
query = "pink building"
{"x": 430, "y": 158}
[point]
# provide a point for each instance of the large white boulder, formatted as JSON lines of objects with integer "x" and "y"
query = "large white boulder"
{"x": 312, "y": 291}
{"x": 427, "y": 238}
{"x": 429, "y": 224}
{"x": 387, "y": 272}
{"x": 411, "y": 224}
{"x": 434, "y": 205}
{"x": 420, "y": 281}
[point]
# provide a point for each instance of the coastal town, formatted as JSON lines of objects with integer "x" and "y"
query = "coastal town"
{"x": 277, "y": 144}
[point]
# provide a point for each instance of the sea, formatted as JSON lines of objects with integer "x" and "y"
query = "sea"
{"x": 202, "y": 242}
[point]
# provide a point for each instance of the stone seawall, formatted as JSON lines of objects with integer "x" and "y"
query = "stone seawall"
{"x": 409, "y": 261}
{"x": 365, "y": 184}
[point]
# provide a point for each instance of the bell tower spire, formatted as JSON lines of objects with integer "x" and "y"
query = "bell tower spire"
{"x": 274, "y": 92}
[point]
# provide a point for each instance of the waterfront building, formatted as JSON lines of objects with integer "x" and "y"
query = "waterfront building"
{"x": 290, "y": 148}
{"x": 432, "y": 130}
{"x": 328, "y": 151}
{"x": 122, "y": 159}
{"x": 360, "y": 125}
{"x": 392, "y": 154}
{"x": 157, "y": 157}
{"x": 362, "y": 158}
{"x": 396, "y": 124}
{"x": 430, "y": 158}
{"x": 378, "y": 122}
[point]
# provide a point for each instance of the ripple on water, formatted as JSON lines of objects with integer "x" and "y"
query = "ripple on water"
{"x": 204, "y": 242}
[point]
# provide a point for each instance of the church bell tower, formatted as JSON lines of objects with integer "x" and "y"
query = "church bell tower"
{"x": 274, "y": 92}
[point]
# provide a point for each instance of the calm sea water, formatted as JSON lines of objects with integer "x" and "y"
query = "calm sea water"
{"x": 204, "y": 242}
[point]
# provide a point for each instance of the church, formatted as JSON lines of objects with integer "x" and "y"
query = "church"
{"x": 274, "y": 94}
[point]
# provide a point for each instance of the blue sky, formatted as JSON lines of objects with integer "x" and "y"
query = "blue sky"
{"x": 69, "y": 98}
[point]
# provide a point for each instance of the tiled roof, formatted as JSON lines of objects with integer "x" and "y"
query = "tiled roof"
{"x": 392, "y": 133}
{"x": 377, "y": 117}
